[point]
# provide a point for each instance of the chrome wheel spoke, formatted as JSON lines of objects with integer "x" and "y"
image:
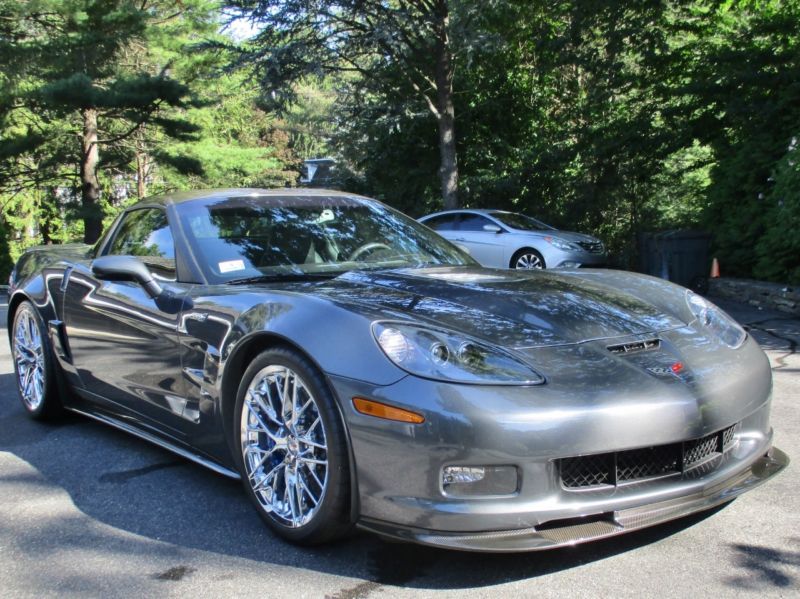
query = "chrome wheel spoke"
{"x": 313, "y": 474}
{"x": 264, "y": 457}
{"x": 265, "y": 406}
{"x": 290, "y": 498}
{"x": 282, "y": 433}
{"x": 304, "y": 486}
{"x": 283, "y": 394}
{"x": 268, "y": 478}
{"x": 262, "y": 426}
{"x": 310, "y": 443}
{"x": 298, "y": 494}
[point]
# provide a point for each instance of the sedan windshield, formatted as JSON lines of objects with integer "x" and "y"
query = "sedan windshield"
{"x": 521, "y": 222}
{"x": 245, "y": 238}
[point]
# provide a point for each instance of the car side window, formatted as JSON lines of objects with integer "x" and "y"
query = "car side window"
{"x": 443, "y": 222}
{"x": 145, "y": 233}
{"x": 473, "y": 222}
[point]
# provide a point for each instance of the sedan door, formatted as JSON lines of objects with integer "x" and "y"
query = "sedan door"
{"x": 123, "y": 345}
{"x": 487, "y": 247}
{"x": 444, "y": 224}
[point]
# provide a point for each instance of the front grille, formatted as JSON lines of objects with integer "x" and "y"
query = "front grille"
{"x": 594, "y": 247}
{"x": 645, "y": 463}
{"x": 633, "y": 465}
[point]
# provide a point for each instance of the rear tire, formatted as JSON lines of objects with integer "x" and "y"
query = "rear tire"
{"x": 34, "y": 365}
{"x": 291, "y": 449}
{"x": 527, "y": 259}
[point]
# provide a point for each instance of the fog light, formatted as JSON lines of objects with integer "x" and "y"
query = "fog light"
{"x": 462, "y": 474}
{"x": 477, "y": 481}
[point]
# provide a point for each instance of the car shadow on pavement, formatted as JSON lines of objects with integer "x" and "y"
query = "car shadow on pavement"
{"x": 132, "y": 498}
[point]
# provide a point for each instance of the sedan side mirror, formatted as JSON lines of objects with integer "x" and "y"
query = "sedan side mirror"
{"x": 492, "y": 229}
{"x": 126, "y": 268}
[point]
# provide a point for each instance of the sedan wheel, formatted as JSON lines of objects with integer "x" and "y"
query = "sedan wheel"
{"x": 31, "y": 352}
{"x": 527, "y": 259}
{"x": 293, "y": 457}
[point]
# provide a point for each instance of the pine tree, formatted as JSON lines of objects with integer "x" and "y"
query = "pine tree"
{"x": 64, "y": 80}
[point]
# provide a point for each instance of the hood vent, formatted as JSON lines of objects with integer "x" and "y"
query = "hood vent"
{"x": 634, "y": 347}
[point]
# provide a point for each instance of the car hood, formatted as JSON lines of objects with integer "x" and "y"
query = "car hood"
{"x": 517, "y": 309}
{"x": 572, "y": 236}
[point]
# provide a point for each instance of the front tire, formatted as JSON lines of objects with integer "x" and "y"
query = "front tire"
{"x": 291, "y": 448}
{"x": 33, "y": 365}
{"x": 527, "y": 259}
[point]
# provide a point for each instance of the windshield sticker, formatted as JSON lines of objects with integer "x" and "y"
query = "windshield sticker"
{"x": 231, "y": 266}
{"x": 326, "y": 216}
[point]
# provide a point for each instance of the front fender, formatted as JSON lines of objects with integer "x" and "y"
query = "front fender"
{"x": 338, "y": 341}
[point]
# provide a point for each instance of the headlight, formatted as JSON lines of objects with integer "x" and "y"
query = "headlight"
{"x": 725, "y": 328}
{"x": 567, "y": 246}
{"x": 448, "y": 356}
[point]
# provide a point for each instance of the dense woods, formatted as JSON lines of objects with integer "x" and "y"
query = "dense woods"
{"x": 606, "y": 117}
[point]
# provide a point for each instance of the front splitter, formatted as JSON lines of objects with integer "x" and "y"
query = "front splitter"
{"x": 616, "y": 523}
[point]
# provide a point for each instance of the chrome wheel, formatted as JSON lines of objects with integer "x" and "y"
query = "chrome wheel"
{"x": 529, "y": 261}
{"x": 284, "y": 447}
{"x": 29, "y": 358}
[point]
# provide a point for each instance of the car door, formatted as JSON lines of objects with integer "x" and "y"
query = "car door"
{"x": 444, "y": 224}
{"x": 485, "y": 246}
{"x": 123, "y": 345}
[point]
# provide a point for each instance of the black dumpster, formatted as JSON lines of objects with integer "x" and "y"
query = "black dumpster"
{"x": 679, "y": 256}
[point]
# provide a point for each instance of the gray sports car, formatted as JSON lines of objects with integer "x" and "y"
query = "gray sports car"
{"x": 353, "y": 367}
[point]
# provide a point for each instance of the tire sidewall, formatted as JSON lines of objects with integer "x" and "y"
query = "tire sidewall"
{"x": 331, "y": 518}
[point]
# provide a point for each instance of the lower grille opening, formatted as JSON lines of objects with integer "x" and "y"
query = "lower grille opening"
{"x": 607, "y": 517}
{"x": 621, "y": 467}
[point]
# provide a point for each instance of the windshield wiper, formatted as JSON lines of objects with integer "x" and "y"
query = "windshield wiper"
{"x": 284, "y": 276}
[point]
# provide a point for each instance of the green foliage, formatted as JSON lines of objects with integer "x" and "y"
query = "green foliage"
{"x": 239, "y": 145}
{"x": 167, "y": 116}
{"x": 778, "y": 250}
{"x": 734, "y": 79}
{"x": 681, "y": 187}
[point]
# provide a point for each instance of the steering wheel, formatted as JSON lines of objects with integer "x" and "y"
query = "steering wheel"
{"x": 366, "y": 249}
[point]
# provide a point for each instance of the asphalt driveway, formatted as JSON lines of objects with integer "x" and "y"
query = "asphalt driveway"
{"x": 86, "y": 510}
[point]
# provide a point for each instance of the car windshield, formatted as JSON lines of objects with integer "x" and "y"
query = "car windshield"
{"x": 268, "y": 236}
{"x": 521, "y": 222}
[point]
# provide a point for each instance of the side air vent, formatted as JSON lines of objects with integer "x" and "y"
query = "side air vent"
{"x": 636, "y": 346}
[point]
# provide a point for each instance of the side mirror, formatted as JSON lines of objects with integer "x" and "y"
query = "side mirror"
{"x": 126, "y": 268}
{"x": 492, "y": 229}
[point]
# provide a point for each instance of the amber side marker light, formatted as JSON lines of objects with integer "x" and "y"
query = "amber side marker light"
{"x": 381, "y": 410}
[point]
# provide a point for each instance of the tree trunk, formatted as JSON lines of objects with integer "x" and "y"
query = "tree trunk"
{"x": 45, "y": 224}
{"x": 448, "y": 169}
{"x": 141, "y": 175}
{"x": 90, "y": 189}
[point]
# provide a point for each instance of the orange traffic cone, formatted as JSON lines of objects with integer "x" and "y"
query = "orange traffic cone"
{"x": 714, "y": 269}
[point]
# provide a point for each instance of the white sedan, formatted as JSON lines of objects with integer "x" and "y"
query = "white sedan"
{"x": 499, "y": 239}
